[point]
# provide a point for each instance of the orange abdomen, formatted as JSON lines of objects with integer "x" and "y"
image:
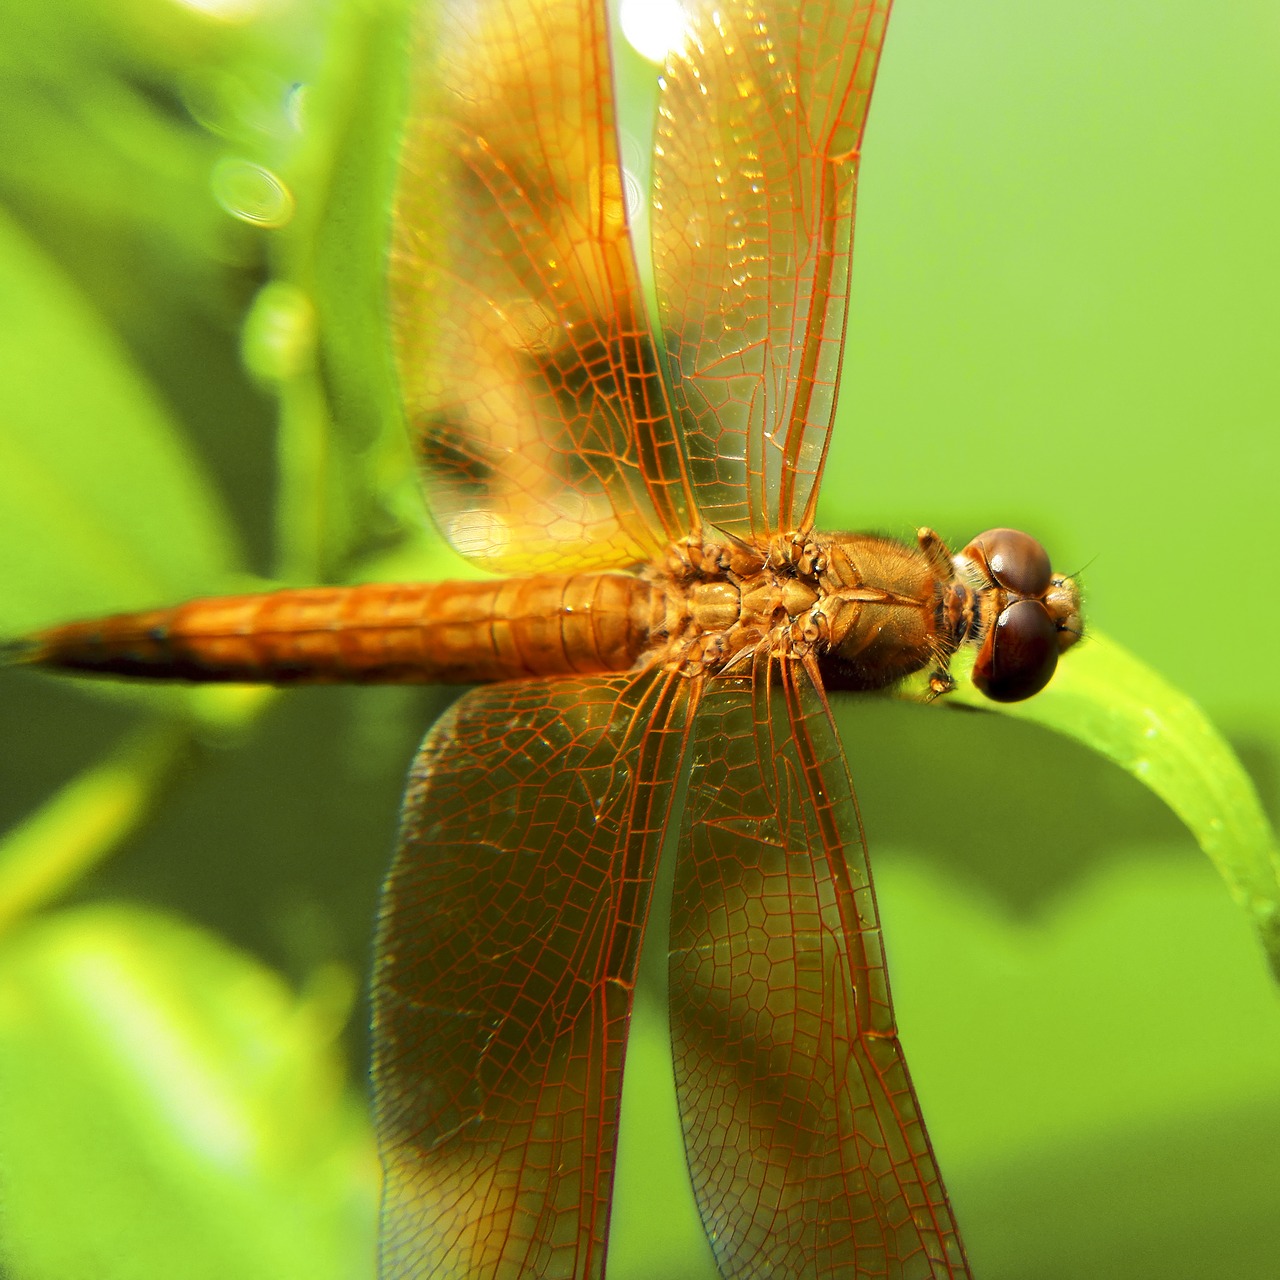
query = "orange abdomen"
{"x": 438, "y": 633}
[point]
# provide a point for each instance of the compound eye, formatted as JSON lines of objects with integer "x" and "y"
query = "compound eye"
{"x": 1019, "y": 654}
{"x": 1015, "y": 560}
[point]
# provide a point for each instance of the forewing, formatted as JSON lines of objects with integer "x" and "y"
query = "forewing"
{"x": 529, "y": 378}
{"x": 804, "y": 1137}
{"x": 755, "y": 174}
{"x": 507, "y": 948}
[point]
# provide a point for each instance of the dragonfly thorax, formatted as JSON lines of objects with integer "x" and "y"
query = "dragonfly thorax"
{"x": 870, "y": 610}
{"x": 865, "y": 607}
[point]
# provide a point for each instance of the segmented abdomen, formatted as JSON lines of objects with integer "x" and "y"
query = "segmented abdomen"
{"x": 438, "y": 633}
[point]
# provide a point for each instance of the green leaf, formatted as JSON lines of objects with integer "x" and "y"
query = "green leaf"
{"x": 57, "y": 845}
{"x": 1099, "y": 1077}
{"x": 343, "y": 458}
{"x": 186, "y": 1110}
{"x": 1105, "y": 698}
{"x": 82, "y": 434}
{"x": 53, "y": 848}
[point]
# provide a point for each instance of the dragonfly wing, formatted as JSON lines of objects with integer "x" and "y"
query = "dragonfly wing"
{"x": 529, "y": 378}
{"x": 507, "y": 947}
{"x": 755, "y": 175}
{"x": 805, "y": 1141}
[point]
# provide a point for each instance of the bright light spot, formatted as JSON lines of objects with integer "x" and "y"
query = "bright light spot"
{"x": 654, "y": 28}
{"x": 226, "y": 10}
{"x": 166, "y": 1055}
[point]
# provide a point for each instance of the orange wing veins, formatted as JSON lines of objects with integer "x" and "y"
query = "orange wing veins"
{"x": 555, "y": 433}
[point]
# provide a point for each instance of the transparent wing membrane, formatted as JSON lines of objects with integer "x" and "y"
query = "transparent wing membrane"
{"x": 529, "y": 378}
{"x": 555, "y": 433}
{"x": 507, "y": 949}
{"x": 755, "y": 176}
{"x": 804, "y": 1138}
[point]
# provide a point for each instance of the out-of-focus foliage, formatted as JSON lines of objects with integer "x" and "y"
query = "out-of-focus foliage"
{"x": 180, "y": 1098}
{"x": 62, "y": 433}
{"x": 177, "y": 184}
{"x": 1065, "y": 305}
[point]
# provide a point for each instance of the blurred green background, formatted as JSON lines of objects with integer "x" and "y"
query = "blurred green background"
{"x": 1066, "y": 318}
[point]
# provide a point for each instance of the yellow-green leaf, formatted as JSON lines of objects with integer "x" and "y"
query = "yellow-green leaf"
{"x": 184, "y": 1107}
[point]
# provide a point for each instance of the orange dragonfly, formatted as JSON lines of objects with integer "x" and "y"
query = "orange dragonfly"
{"x": 654, "y": 662}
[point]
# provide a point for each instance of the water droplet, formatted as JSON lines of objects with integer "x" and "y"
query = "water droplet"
{"x": 631, "y": 188}
{"x": 251, "y": 193}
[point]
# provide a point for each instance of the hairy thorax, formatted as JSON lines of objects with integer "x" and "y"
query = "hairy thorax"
{"x": 867, "y": 608}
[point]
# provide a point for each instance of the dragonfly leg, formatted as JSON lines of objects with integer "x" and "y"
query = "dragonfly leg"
{"x": 937, "y": 553}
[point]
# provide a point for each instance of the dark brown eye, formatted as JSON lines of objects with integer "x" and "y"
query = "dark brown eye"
{"x": 1014, "y": 559}
{"x": 1019, "y": 655}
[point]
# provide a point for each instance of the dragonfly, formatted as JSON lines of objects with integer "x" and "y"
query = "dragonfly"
{"x": 651, "y": 649}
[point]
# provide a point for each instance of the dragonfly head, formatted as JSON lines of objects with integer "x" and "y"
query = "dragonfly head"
{"x": 1031, "y": 614}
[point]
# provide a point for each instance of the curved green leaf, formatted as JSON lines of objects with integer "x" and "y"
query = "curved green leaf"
{"x": 1107, "y": 699}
